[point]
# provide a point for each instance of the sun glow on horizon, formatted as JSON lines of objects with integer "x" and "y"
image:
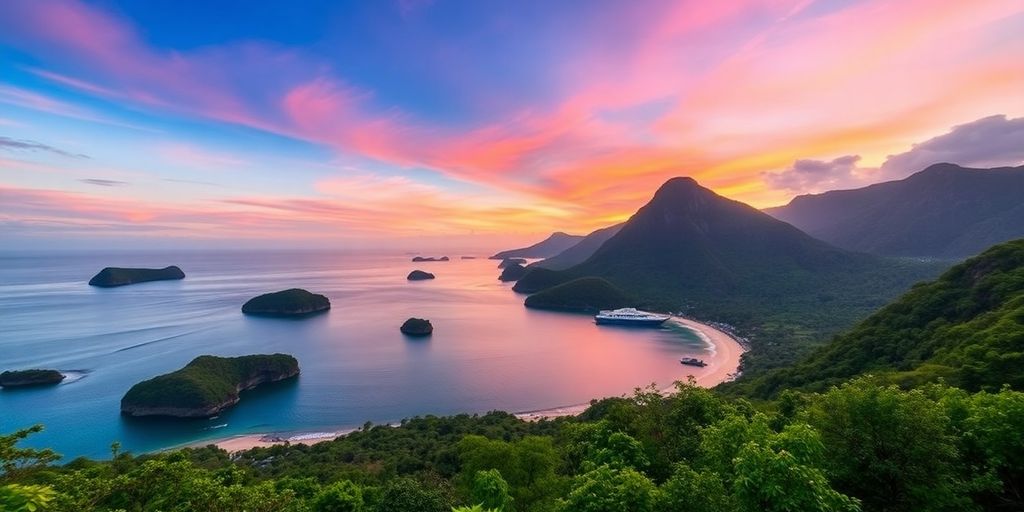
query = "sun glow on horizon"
{"x": 456, "y": 122}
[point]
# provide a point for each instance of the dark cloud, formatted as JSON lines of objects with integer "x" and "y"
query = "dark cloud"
{"x": 807, "y": 175}
{"x": 104, "y": 183}
{"x": 992, "y": 141}
{"x": 29, "y": 145}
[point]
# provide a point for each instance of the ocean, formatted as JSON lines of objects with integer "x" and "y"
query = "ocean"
{"x": 488, "y": 352}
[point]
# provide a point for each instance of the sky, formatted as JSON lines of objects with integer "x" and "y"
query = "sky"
{"x": 435, "y": 124}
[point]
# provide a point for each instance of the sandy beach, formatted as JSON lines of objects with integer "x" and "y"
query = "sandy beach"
{"x": 722, "y": 365}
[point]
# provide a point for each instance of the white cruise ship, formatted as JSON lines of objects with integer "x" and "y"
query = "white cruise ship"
{"x": 630, "y": 316}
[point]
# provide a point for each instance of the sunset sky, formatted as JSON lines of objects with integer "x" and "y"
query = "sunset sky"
{"x": 418, "y": 123}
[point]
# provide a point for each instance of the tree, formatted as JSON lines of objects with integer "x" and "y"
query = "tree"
{"x": 890, "y": 448}
{"x": 25, "y": 498}
{"x": 14, "y": 459}
{"x": 343, "y": 496}
{"x": 527, "y": 465}
{"x": 769, "y": 480}
{"x": 408, "y": 495}
{"x": 694, "y": 492}
{"x": 988, "y": 429}
{"x": 607, "y": 489}
{"x": 491, "y": 491}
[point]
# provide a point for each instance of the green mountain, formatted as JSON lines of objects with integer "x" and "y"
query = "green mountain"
{"x": 944, "y": 211}
{"x": 588, "y": 294}
{"x": 546, "y": 248}
{"x": 967, "y": 327}
{"x": 692, "y": 250}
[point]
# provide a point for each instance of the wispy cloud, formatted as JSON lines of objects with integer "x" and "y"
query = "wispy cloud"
{"x": 30, "y": 145}
{"x": 103, "y": 183}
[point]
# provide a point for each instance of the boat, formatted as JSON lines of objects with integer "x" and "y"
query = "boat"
{"x": 693, "y": 361}
{"x": 630, "y": 316}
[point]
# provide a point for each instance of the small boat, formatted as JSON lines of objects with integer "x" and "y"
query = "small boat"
{"x": 693, "y": 361}
{"x": 630, "y": 316}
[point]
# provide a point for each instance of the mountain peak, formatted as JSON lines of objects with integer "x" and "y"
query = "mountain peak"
{"x": 939, "y": 169}
{"x": 679, "y": 189}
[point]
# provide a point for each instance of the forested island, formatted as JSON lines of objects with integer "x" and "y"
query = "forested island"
{"x": 28, "y": 378}
{"x": 116, "y": 276}
{"x": 293, "y": 302}
{"x": 206, "y": 386}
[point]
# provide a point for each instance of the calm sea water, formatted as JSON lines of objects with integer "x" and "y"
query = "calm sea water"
{"x": 488, "y": 352}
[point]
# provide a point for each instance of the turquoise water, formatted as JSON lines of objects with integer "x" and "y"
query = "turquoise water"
{"x": 488, "y": 352}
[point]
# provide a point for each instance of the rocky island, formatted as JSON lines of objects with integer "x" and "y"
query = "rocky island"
{"x": 586, "y": 294}
{"x": 419, "y": 275}
{"x": 206, "y": 386}
{"x": 417, "y": 327}
{"x": 292, "y": 302}
{"x": 117, "y": 276}
{"x": 512, "y": 272}
{"x": 27, "y": 378}
{"x": 419, "y": 259}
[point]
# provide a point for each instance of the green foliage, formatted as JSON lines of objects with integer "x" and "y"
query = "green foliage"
{"x": 586, "y": 294}
{"x": 491, "y": 491}
{"x": 528, "y": 465}
{"x": 771, "y": 480}
{"x": 860, "y": 446}
{"x": 607, "y": 489}
{"x": 343, "y": 496}
{"x": 892, "y": 449}
{"x": 207, "y": 381}
{"x": 14, "y": 459}
{"x": 474, "y": 508}
{"x": 966, "y": 327}
{"x": 694, "y": 492}
{"x": 408, "y": 495}
{"x": 598, "y": 444}
{"x": 25, "y": 498}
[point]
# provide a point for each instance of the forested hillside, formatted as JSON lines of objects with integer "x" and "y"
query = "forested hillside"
{"x": 966, "y": 327}
{"x": 861, "y": 446}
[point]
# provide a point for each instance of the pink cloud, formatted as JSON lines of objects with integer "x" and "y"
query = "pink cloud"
{"x": 749, "y": 86}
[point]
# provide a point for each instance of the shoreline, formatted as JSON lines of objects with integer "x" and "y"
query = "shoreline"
{"x": 726, "y": 350}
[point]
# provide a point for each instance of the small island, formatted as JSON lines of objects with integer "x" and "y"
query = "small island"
{"x": 417, "y": 327}
{"x": 206, "y": 386}
{"x": 469, "y": 257}
{"x": 29, "y": 378}
{"x": 512, "y": 272}
{"x": 419, "y": 275}
{"x": 586, "y": 294}
{"x": 288, "y": 303}
{"x": 511, "y": 261}
{"x": 419, "y": 259}
{"x": 117, "y": 276}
